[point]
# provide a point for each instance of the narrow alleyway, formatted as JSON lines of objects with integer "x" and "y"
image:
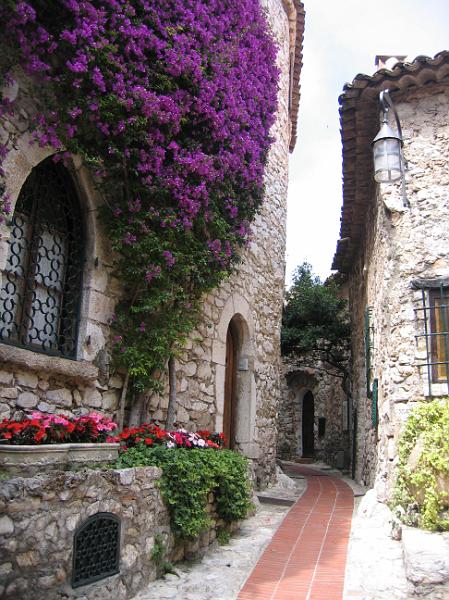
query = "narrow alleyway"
{"x": 306, "y": 558}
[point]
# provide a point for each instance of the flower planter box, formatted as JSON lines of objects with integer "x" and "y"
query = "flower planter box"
{"x": 86, "y": 453}
{"x": 44, "y": 457}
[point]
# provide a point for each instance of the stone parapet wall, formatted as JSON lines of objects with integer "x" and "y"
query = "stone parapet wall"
{"x": 41, "y": 514}
{"x": 402, "y": 244}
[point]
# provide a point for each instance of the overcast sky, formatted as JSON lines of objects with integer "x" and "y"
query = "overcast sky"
{"x": 342, "y": 38}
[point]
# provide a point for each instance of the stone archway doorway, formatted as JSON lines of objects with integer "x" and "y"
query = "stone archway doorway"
{"x": 230, "y": 395}
{"x": 308, "y": 423}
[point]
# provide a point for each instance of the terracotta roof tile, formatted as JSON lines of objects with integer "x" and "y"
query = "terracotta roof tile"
{"x": 300, "y": 20}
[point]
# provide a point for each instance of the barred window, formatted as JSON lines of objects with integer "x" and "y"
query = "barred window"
{"x": 42, "y": 280}
{"x": 433, "y": 314}
{"x": 439, "y": 322}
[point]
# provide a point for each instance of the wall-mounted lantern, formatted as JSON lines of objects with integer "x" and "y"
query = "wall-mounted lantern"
{"x": 387, "y": 147}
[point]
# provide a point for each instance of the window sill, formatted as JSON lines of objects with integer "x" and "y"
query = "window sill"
{"x": 438, "y": 389}
{"x": 55, "y": 365}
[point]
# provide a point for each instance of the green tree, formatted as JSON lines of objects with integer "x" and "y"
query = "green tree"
{"x": 315, "y": 324}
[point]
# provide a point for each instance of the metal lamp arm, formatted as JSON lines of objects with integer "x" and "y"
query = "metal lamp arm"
{"x": 387, "y": 103}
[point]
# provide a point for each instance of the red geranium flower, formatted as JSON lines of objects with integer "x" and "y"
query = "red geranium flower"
{"x": 39, "y": 435}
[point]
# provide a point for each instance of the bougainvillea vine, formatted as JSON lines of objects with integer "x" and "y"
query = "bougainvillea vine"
{"x": 170, "y": 105}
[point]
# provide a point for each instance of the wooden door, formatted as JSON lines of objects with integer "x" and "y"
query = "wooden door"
{"x": 308, "y": 421}
{"x": 230, "y": 395}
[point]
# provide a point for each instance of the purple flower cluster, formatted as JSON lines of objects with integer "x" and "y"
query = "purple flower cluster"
{"x": 171, "y": 102}
{"x": 199, "y": 74}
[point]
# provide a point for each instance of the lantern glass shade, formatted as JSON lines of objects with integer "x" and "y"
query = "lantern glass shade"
{"x": 387, "y": 160}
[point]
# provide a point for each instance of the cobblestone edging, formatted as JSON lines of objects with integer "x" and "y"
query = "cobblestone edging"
{"x": 40, "y": 515}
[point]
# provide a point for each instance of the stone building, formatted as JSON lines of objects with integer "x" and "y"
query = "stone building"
{"x": 313, "y": 415}
{"x": 394, "y": 251}
{"x": 228, "y": 378}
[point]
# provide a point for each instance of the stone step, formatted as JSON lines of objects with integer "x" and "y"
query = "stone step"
{"x": 276, "y": 501}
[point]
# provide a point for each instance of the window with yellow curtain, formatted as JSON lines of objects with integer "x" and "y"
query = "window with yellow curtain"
{"x": 439, "y": 323}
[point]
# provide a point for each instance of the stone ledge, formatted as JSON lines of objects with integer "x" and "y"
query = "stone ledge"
{"x": 426, "y": 556}
{"x": 51, "y": 364}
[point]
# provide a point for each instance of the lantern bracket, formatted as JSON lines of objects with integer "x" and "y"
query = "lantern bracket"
{"x": 386, "y": 104}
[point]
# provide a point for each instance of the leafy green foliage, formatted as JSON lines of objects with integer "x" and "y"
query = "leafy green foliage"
{"x": 158, "y": 552}
{"x": 158, "y": 555}
{"x": 188, "y": 478}
{"x": 421, "y": 488}
{"x": 315, "y": 320}
{"x": 223, "y": 537}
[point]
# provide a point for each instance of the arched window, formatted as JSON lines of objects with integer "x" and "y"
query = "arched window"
{"x": 42, "y": 280}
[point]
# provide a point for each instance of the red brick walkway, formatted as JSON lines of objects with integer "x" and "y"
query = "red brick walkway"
{"x": 306, "y": 558}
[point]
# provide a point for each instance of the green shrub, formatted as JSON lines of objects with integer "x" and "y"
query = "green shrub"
{"x": 158, "y": 555}
{"x": 223, "y": 537}
{"x": 188, "y": 478}
{"x": 423, "y": 472}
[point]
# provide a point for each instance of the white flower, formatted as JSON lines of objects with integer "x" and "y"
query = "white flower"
{"x": 201, "y": 443}
{"x": 171, "y": 445}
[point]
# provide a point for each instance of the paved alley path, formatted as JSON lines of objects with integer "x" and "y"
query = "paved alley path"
{"x": 307, "y": 556}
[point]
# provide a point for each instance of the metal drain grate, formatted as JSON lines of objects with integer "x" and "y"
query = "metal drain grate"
{"x": 96, "y": 549}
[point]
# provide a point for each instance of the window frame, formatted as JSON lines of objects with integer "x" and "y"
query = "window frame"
{"x": 62, "y": 341}
{"x": 428, "y": 290}
{"x": 439, "y": 332}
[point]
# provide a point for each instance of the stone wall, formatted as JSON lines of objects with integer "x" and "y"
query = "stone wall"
{"x": 252, "y": 298}
{"x": 29, "y": 380}
{"x": 402, "y": 244}
{"x": 330, "y": 403}
{"x": 41, "y": 514}
{"x": 24, "y": 389}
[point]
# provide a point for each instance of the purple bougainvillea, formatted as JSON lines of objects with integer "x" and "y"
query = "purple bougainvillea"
{"x": 170, "y": 103}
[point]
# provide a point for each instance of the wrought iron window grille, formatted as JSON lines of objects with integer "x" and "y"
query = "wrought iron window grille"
{"x": 42, "y": 281}
{"x": 434, "y": 314}
{"x": 96, "y": 549}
